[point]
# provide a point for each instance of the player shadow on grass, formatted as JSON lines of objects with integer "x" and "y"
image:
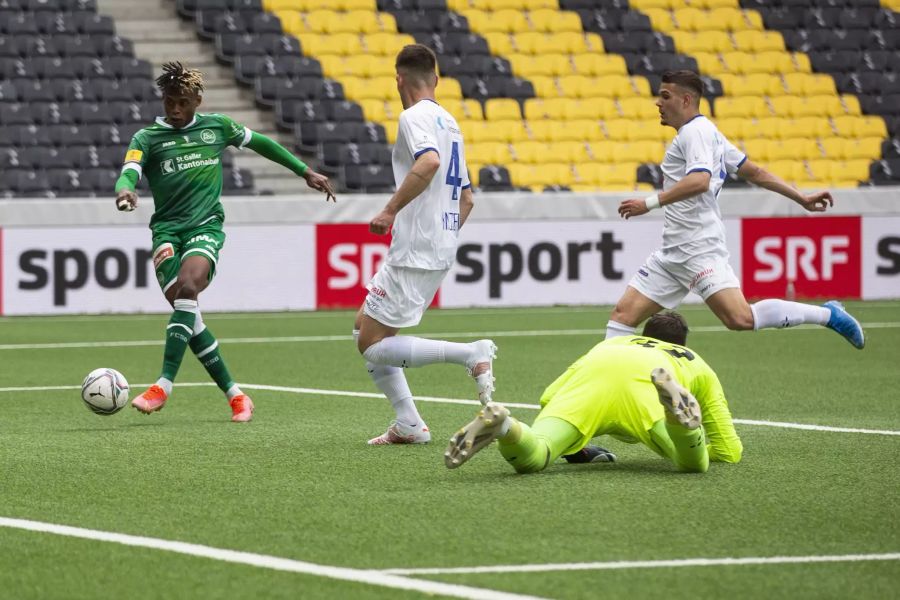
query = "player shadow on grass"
{"x": 618, "y": 469}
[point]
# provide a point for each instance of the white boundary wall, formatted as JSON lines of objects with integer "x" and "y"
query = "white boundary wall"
{"x": 299, "y": 253}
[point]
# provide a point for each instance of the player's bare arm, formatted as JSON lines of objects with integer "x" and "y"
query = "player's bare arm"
{"x": 466, "y": 204}
{"x": 269, "y": 148}
{"x": 757, "y": 175}
{"x": 413, "y": 184}
{"x": 693, "y": 184}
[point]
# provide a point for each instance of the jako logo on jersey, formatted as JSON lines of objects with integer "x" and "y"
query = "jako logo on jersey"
{"x": 819, "y": 257}
{"x": 162, "y": 254}
{"x": 167, "y": 166}
{"x": 208, "y": 136}
{"x": 168, "y": 144}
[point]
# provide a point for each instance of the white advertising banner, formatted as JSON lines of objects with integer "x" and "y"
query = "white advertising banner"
{"x": 77, "y": 270}
{"x": 880, "y": 257}
{"x": 522, "y": 263}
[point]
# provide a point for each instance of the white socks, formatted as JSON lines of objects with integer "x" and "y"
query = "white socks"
{"x": 392, "y": 383}
{"x": 191, "y": 306}
{"x": 166, "y": 385}
{"x": 782, "y": 313}
{"x": 410, "y": 351}
{"x": 614, "y": 329}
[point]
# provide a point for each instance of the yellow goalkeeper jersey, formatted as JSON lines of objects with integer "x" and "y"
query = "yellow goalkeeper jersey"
{"x": 608, "y": 391}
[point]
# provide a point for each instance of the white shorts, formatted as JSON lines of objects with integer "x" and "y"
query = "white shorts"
{"x": 667, "y": 282}
{"x": 398, "y": 296}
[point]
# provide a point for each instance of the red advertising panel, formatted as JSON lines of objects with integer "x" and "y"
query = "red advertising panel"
{"x": 815, "y": 257}
{"x": 347, "y": 256}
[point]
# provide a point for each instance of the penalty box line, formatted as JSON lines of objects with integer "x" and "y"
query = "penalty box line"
{"x": 363, "y": 576}
{"x": 462, "y": 401}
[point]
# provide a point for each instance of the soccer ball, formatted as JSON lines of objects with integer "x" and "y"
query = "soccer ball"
{"x": 105, "y": 391}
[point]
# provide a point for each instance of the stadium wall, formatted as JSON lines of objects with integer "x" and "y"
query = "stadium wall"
{"x": 299, "y": 253}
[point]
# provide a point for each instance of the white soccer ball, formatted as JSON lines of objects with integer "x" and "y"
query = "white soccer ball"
{"x": 105, "y": 391}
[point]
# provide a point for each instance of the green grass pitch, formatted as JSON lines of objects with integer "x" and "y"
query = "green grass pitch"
{"x": 300, "y": 483}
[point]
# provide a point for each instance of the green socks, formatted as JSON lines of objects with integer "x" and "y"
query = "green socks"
{"x": 178, "y": 333}
{"x": 205, "y": 346}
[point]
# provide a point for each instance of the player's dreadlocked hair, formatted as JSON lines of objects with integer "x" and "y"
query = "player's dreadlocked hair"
{"x": 176, "y": 78}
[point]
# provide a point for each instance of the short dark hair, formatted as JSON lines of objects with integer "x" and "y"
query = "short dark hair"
{"x": 667, "y": 326}
{"x": 686, "y": 79}
{"x": 417, "y": 59}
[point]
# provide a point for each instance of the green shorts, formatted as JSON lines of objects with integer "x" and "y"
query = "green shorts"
{"x": 169, "y": 250}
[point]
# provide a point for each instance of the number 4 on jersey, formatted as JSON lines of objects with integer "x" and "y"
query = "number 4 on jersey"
{"x": 453, "y": 178}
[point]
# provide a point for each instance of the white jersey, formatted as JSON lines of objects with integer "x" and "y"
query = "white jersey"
{"x": 694, "y": 225}
{"x": 425, "y": 231}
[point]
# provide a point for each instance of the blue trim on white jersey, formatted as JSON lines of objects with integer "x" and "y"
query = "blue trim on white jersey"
{"x": 743, "y": 160}
{"x": 421, "y": 152}
{"x": 697, "y": 170}
{"x": 692, "y": 118}
{"x": 465, "y": 187}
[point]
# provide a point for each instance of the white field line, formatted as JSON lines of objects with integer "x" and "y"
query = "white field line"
{"x": 346, "y": 338}
{"x": 343, "y": 314}
{"x": 364, "y": 576}
{"x": 461, "y": 401}
{"x": 650, "y": 564}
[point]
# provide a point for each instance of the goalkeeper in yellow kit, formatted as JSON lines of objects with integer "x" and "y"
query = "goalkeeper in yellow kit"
{"x": 634, "y": 388}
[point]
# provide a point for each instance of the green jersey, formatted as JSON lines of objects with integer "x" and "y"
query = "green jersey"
{"x": 184, "y": 169}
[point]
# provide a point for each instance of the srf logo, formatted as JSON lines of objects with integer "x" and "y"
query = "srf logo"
{"x": 819, "y": 256}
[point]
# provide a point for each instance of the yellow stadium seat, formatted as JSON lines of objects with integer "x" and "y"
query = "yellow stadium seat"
{"x": 500, "y": 43}
{"x": 599, "y": 151}
{"x": 751, "y": 40}
{"x": 510, "y": 21}
{"x": 599, "y": 64}
{"x": 488, "y": 153}
{"x": 660, "y": 19}
{"x": 552, "y": 65}
{"x": 710, "y": 4}
{"x": 544, "y": 108}
{"x": 735, "y": 128}
{"x": 534, "y": 42}
{"x": 474, "y": 172}
{"x": 868, "y": 148}
{"x": 703, "y": 41}
{"x": 820, "y": 169}
{"x": 705, "y": 108}
{"x": 752, "y": 107}
{"x": 291, "y": 22}
{"x": 848, "y": 104}
{"x": 375, "y": 88}
{"x": 709, "y": 63}
{"x": 468, "y": 109}
{"x": 767, "y": 127}
{"x": 757, "y": 149}
{"x": 574, "y": 42}
{"x": 693, "y": 19}
{"x": 638, "y": 108}
{"x": 758, "y": 84}
{"x": 573, "y": 151}
{"x": 640, "y": 152}
{"x": 546, "y": 87}
{"x": 554, "y": 20}
{"x": 390, "y": 129}
{"x": 369, "y": 5}
{"x": 502, "y": 109}
{"x": 850, "y": 170}
{"x": 809, "y": 127}
{"x": 807, "y": 84}
{"x": 343, "y": 44}
{"x": 532, "y": 152}
{"x": 278, "y": 5}
{"x": 643, "y": 5}
{"x": 833, "y": 147}
{"x": 373, "y": 110}
{"x": 386, "y": 44}
{"x": 777, "y": 62}
{"x": 789, "y": 170}
{"x": 733, "y": 19}
{"x": 540, "y": 130}
{"x": 574, "y": 131}
{"x": 592, "y": 108}
{"x": 448, "y": 89}
{"x": 804, "y": 148}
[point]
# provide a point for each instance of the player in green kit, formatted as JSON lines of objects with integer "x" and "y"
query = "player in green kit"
{"x": 634, "y": 388}
{"x": 180, "y": 155}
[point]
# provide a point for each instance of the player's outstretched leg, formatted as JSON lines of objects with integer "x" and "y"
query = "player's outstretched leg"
{"x": 679, "y": 403}
{"x": 400, "y": 433}
{"x": 178, "y": 333}
{"x": 491, "y": 422}
{"x": 842, "y": 322}
{"x": 480, "y": 365}
{"x": 206, "y": 348}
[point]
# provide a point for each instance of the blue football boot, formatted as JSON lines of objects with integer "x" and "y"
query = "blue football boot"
{"x": 844, "y": 324}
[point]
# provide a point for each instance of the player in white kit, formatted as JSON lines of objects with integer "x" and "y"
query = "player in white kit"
{"x": 694, "y": 257}
{"x": 432, "y": 201}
